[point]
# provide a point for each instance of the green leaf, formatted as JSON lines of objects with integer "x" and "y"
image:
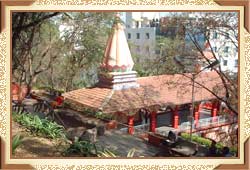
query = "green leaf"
{"x": 16, "y": 141}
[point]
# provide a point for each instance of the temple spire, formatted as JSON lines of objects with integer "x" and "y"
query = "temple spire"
{"x": 117, "y": 56}
{"x": 116, "y": 68}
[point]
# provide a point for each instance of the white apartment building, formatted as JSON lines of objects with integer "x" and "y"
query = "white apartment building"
{"x": 225, "y": 46}
{"x": 141, "y": 34}
{"x": 223, "y": 40}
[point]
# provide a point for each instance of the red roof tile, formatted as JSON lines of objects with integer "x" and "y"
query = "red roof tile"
{"x": 160, "y": 90}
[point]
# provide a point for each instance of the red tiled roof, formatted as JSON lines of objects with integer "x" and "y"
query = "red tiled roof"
{"x": 160, "y": 90}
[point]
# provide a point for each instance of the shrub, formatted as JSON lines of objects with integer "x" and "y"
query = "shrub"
{"x": 108, "y": 153}
{"x": 198, "y": 139}
{"x": 219, "y": 145}
{"x": 16, "y": 141}
{"x": 233, "y": 150}
{"x": 50, "y": 89}
{"x": 98, "y": 114}
{"x": 185, "y": 135}
{"x": 84, "y": 148}
{"x": 41, "y": 127}
{"x": 207, "y": 142}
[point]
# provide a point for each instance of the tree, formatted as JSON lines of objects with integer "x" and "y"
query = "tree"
{"x": 203, "y": 25}
{"x": 84, "y": 36}
{"x": 46, "y": 48}
{"x": 162, "y": 60}
{"x": 27, "y": 28}
{"x": 222, "y": 24}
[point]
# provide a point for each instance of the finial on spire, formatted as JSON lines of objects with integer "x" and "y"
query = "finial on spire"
{"x": 116, "y": 68}
{"x": 117, "y": 20}
{"x": 117, "y": 56}
{"x": 117, "y": 15}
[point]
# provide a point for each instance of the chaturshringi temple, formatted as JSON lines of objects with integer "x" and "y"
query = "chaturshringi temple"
{"x": 121, "y": 93}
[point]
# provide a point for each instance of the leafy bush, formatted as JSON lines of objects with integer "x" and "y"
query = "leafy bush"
{"x": 185, "y": 135}
{"x": 195, "y": 138}
{"x": 219, "y": 145}
{"x": 41, "y": 127}
{"x": 108, "y": 153}
{"x": 98, "y": 114}
{"x": 101, "y": 115}
{"x": 233, "y": 150}
{"x": 207, "y": 142}
{"x": 16, "y": 141}
{"x": 84, "y": 148}
{"x": 50, "y": 89}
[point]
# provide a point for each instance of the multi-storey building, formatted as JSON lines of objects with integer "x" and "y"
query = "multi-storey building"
{"x": 225, "y": 47}
{"x": 141, "y": 33}
{"x": 142, "y": 29}
{"x": 222, "y": 37}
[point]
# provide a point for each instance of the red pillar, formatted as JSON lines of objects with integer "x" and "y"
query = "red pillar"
{"x": 130, "y": 125}
{"x": 214, "y": 110}
{"x": 176, "y": 118}
{"x": 197, "y": 114}
{"x": 153, "y": 122}
{"x": 218, "y": 106}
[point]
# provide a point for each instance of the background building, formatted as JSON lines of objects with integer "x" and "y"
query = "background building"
{"x": 225, "y": 47}
{"x": 143, "y": 30}
{"x": 141, "y": 33}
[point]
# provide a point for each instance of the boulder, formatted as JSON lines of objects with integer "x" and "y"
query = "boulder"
{"x": 75, "y": 132}
{"x": 100, "y": 130}
{"x": 89, "y": 135}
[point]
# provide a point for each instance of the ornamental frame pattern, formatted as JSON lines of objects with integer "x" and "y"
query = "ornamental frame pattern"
{"x": 3, "y": 80}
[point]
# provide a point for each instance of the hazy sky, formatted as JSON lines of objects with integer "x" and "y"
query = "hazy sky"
{"x": 151, "y": 15}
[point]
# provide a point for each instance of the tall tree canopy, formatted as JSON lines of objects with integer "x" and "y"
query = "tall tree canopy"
{"x": 64, "y": 49}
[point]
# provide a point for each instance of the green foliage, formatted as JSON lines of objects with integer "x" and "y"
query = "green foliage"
{"x": 198, "y": 139}
{"x": 33, "y": 35}
{"x": 98, "y": 114}
{"x": 108, "y": 153}
{"x": 207, "y": 142}
{"x": 40, "y": 127}
{"x": 219, "y": 146}
{"x": 103, "y": 116}
{"x": 84, "y": 148}
{"x": 233, "y": 150}
{"x": 16, "y": 141}
{"x": 50, "y": 89}
{"x": 54, "y": 39}
{"x": 162, "y": 62}
{"x": 131, "y": 152}
{"x": 185, "y": 135}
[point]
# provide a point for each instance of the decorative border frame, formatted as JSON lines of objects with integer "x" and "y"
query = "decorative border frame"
{"x": 3, "y": 78}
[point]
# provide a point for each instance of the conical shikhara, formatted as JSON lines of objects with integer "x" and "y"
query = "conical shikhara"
{"x": 116, "y": 69}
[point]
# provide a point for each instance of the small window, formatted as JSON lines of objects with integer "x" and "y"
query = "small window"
{"x": 137, "y": 35}
{"x": 226, "y": 49}
{"x": 129, "y": 36}
{"x": 227, "y": 36}
{"x": 147, "y": 36}
{"x": 215, "y": 49}
{"x": 215, "y": 35}
{"x": 147, "y": 49}
{"x": 225, "y": 62}
{"x": 236, "y": 63}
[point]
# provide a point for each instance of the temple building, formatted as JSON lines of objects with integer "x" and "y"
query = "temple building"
{"x": 122, "y": 94}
